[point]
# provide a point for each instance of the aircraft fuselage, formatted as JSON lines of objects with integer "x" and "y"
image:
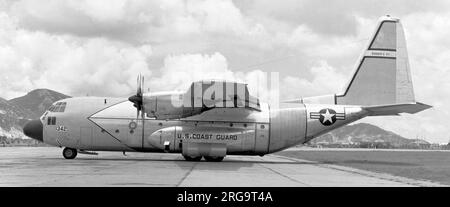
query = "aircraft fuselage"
{"x": 110, "y": 124}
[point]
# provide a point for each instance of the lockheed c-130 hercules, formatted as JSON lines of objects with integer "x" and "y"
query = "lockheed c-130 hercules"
{"x": 212, "y": 119}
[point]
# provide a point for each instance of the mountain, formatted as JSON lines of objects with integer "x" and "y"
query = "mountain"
{"x": 37, "y": 101}
{"x": 16, "y": 112}
{"x": 362, "y": 132}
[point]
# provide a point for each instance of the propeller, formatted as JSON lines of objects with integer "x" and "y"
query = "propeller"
{"x": 138, "y": 99}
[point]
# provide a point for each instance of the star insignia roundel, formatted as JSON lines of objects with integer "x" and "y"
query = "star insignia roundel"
{"x": 327, "y": 116}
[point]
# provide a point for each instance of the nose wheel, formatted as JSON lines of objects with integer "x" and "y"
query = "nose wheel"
{"x": 69, "y": 153}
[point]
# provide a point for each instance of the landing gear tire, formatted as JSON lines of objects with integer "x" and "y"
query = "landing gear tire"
{"x": 189, "y": 158}
{"x": 213, "y": 159}
{"x": 69, "y": 153}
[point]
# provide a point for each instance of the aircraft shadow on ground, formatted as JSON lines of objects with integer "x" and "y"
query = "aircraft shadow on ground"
{"x": 184, "y": 161}
{"x": 226, "y": 165}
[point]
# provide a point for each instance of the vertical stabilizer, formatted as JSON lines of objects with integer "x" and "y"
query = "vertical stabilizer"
{"x": 382, "y": 75}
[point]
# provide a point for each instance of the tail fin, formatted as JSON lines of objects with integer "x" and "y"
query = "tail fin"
{"x": 382, "y": 75}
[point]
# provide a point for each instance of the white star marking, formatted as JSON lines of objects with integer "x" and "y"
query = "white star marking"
{"x": 327, "y": 117}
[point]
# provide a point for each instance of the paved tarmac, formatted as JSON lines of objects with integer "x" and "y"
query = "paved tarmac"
{"x": 45, "y": 166}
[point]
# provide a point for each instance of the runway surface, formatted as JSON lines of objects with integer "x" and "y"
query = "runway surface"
{"x": 45, "y": 166}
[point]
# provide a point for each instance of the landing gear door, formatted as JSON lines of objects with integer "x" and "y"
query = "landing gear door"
{"x": 262, "y": 139}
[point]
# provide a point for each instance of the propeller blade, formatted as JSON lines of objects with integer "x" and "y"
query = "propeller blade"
{"x": 137, "y": 115}
{"x": 142, "y": 83}
{"x": 142, "y": 98}
{"x": 139, "y": 85}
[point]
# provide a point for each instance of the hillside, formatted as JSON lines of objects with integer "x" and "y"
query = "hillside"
{"x": 362, "y": 132}
{"x": 12, "y": 118}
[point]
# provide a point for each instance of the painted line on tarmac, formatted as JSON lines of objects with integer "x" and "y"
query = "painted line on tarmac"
{"x": 187, "y": 174}
{"x": 285, "y": 176}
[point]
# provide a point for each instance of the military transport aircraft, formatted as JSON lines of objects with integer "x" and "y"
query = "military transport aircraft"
{"x": 212, "y": 119}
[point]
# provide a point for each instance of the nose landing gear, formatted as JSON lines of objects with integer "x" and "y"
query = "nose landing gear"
{"x": 69, "y": 153}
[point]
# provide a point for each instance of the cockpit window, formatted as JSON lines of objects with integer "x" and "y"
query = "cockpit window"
{"x": 61, "y": 107}
{"x": 58, "y": 107}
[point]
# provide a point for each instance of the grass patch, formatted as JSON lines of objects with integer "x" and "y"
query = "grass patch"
{"x": 428, "y": 165}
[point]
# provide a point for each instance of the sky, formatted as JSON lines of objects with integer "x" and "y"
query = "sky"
{"x": 98, "y": 47}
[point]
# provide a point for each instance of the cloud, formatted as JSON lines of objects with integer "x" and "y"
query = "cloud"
{"x": 334, "y": 18}
{"x": 326, "y": 80}
{"x": 136, "y": 21}
{"x": 68, "y": 64}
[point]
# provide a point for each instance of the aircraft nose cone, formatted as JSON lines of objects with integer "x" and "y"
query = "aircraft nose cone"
{"x": 34, "y": 129}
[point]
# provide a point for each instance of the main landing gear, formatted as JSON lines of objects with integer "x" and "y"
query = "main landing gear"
{"x": 213, "y": 159}
{"x": 189, "y": 158}
{"x": 69, "y": 153}
{"x": 207, "y": 158}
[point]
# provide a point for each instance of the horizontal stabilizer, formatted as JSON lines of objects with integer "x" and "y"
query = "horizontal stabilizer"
{"x": 410, "y": 108}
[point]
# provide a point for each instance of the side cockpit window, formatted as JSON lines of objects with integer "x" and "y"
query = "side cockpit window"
{"x": 58, "y": 107}
{"x": 51, "y": 120}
